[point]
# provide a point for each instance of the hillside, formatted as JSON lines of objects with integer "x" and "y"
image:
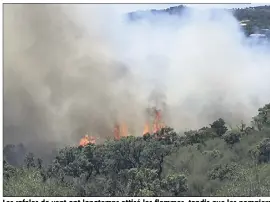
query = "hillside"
{"x": 212, "y": 161}
{"x": 253, "y": 19}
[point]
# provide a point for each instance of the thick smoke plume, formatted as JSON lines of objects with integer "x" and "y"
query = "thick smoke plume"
{"x": 73, "y": 69}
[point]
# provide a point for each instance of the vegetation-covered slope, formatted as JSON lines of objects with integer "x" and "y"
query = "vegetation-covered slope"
{"x": 255, "y": 18}
{"x": 212, "y": 161}
{"x": 258, "y": 16}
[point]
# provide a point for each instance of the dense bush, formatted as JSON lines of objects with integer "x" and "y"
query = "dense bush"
{"x": 232, "y": 137}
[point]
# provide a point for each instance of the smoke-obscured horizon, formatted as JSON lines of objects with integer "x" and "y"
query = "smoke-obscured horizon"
{"x": 73, "y": 69}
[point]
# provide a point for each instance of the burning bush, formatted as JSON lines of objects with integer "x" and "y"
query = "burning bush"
{"x": 122, "y": 130}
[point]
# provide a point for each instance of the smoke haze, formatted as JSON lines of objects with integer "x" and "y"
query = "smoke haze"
{"x": 73, "y": 69}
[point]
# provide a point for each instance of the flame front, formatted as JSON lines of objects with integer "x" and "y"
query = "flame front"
{"x": 87, "y": 140}
{"x": 158, "y": 125}
{"x": 146, "y": 129}
{"x": 121, "y": 130}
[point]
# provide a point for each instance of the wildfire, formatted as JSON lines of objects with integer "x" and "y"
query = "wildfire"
{"x": 146, "y": 129}
{"x": 121, "y": 130}
{"x": 87, "y": 140}
{"x": 156, "y": 126}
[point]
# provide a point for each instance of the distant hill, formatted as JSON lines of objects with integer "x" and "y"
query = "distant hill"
{"x": 175, "y": 10}
{"x": 253, "y": 19}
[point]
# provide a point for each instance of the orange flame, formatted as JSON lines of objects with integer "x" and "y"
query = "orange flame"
{"x": 156, "y": 126}
{"x": 120, "y": 131}
{"x": 87, "y": 140}
{"x": 146, "y": 129}
{"x": 116, "y": 132}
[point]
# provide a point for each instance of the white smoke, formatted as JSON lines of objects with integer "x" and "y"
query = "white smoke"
{"x": 78, "y": 67}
